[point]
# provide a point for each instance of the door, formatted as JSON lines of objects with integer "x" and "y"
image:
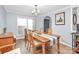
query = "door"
{"x": 46, "y": 25}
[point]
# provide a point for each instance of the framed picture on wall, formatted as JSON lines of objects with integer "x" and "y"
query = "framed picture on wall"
{"x": 60, "y": 18}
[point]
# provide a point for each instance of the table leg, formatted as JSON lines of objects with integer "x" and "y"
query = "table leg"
{"x": 58, "y": 45}
{"x": 32, "y": 49}
{"x": 72, "y": 41}
{"x": 43, "y": 48}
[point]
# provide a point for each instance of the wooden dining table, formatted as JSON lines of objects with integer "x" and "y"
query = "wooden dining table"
{"x": 45, "y": 40}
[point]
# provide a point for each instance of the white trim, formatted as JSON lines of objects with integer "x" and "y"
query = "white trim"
{"x": 74, "y": 6}
{"x": 19, "y": 37}
{"x": 66, "y": 44}
{"x": 62, "y": 9}
{"x": 71, "y": 20}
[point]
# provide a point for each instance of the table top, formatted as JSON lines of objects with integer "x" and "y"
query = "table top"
{"x": 45, "y": 37}
{"x": 40, "y": 38}
{"x": 50, "y": 36}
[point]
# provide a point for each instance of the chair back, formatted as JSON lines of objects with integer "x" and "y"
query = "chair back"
{"x": 30, "y": 37}
{"x": 49, "y": 31}
{"x": 25, "y": 34}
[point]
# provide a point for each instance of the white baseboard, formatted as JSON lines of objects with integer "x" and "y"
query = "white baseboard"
{"x": 20, "y": 37}
{"x": 66, "y": 44}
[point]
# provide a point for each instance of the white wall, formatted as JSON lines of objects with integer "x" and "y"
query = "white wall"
{"x": 77, "y": 15}
{"x": 2, "y": 19}
{"x": 63, "y": 30}
{"x": 39, "y": 23}
{"x": 12, "y": 23}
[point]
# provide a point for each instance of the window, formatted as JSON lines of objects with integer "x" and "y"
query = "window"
{"x": 30, "y": 24}
{"x": 23, "y": 23}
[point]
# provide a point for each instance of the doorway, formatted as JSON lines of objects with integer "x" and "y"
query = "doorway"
{"x": 47, "y": 23}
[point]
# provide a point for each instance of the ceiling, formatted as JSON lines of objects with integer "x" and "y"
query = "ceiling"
{"x": 27, "y": 9}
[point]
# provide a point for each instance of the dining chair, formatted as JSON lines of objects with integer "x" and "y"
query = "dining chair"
{"x": 27, "y": 45}
{"x": 49, "y": 31}
{"x": 25, "y": 30}
{"x": 34, "y": 45}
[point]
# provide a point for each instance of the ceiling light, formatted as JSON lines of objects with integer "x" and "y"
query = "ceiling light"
{"x": 35, "y": 11}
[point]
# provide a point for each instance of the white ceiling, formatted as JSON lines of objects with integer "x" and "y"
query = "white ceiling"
{"x": 27, "y": 9}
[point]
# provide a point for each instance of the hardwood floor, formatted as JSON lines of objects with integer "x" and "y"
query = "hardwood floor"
{"x": 63, "y": 48}
{"x": 21, "y": 44}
